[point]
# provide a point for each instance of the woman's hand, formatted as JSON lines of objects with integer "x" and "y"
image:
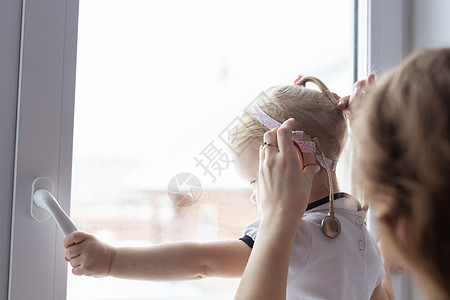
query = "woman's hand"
{"x": 347, "y": 103}
{"x": 88, "y": 255}
{"x": 284, "y": 189}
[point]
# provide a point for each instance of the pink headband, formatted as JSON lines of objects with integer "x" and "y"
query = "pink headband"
{"x": 297, "y": 136}
{"x": 267, "y": 121}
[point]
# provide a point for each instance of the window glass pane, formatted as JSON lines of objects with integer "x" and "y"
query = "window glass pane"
{"x": 158, "y": 85}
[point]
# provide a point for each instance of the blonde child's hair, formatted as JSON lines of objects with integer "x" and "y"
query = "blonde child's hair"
{"x": 403, "y": 138}
{"x": 315, "y": 113}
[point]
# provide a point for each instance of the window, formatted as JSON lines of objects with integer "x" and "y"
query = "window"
{"x": 144, "y": 67}
{"x": 158, "y": 84}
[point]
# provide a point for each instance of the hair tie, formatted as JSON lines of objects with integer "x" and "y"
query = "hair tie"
{"x": 299, "y": 81}
{"x": 336, "y": 96}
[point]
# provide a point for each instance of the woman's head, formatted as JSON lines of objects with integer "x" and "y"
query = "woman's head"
{"x": 315, "y": 113}
{"x": 403, "y": 136}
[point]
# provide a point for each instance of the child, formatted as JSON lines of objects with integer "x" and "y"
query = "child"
{"x": 348, "y": 266}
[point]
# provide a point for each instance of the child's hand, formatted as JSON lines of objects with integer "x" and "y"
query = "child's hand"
{"x": 347, "y": 103}
{"x": 88, "y": 255}
{"x": 284, "y": 189}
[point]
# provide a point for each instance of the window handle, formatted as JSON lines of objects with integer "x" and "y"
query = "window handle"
{"x": 44, "y": 204}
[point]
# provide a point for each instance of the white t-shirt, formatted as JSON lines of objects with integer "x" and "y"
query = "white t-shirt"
{"x": 347, "y": 267}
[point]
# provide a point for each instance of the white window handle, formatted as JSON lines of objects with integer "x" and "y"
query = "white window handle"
{"x": 43, "y": 204}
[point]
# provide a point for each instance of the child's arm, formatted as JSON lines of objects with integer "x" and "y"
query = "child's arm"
{"x": 172, "y": 261}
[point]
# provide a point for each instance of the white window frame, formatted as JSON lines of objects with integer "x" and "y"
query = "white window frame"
{"x": 45, "y": 109}
{"x": 10, "y": 12}
{"x": 381, "y": 38}
{"x": 388, "y": 34}
{"x": 44, "y": 135}
{"x": 384, "y": 40}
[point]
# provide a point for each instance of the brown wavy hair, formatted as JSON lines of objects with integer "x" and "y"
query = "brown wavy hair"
{"x": 402, "y": 131}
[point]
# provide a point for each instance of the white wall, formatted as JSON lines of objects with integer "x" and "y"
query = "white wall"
{"x": 10, "y": 18}
{"x": 429, "y": 24}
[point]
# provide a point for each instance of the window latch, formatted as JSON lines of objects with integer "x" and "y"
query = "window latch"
{"x": 44, "y": 205}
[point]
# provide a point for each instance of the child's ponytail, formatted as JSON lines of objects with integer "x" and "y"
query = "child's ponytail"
{"x": 322, "y": 87}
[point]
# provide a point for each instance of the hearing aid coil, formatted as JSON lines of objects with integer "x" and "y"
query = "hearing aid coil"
{"x": 331, "y": 226}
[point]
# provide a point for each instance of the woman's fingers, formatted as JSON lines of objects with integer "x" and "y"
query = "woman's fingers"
{"x": 270, "y": 145}
{"x": 270, "y": 137}
{"x": 310, "y": 171}
{"x": 343, "y": 102}
{"x": 358, "y": 85}
{"x": 283, "y": 187}
{"x": 277, "y": 140}
{"x": 284, "y": 137}
{"x": 361, "y": 84}
{"x": 262, "y": 156}
{"x": 359, "y": 89}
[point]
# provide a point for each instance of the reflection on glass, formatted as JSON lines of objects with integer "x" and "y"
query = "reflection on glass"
{"x": 159, "y": 84}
